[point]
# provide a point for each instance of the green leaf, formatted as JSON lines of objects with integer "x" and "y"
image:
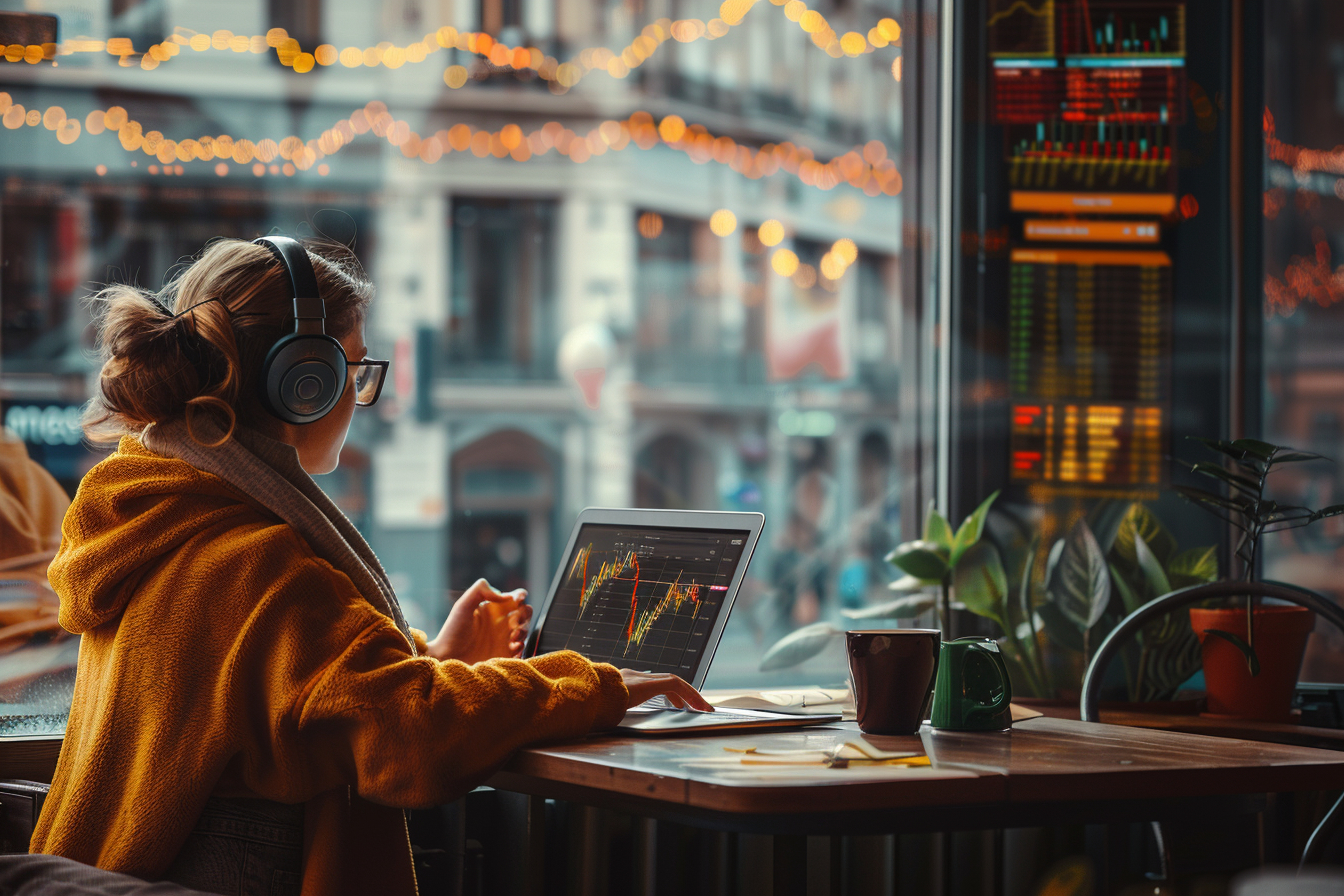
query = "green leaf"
{"x": 936, "y": 529}
{"x": 921, "y": 559}
{"x": 1252, "y": 661}
{"x": 1082, "y": 583}
{"x": 1131, "y": 600}
{"x": 1140, "y": 521}
{"x": 1255, "y": 448}
{"x": 1052, "y": 561}
{"x": 1024, "y": 586}
{"x": 1222, "y": 446}
{"x": 798, "y": 646}
{"x": 970, "y": 530}
{"x": 1059, "y": 628}
{"x": 1297, "y": 457}
{"x": 1104, "y": 520}
{"x": 1196, "y": 564}
{"x": 979, "y": 581}
{"x": 1156, "y": 577}
{"x": 901, "y": 608}
{"x": 907, "y": 584}
{"x": 1218, "y": 471}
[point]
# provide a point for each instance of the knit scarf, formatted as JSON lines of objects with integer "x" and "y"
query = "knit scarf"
{"x": 270, "y": 474}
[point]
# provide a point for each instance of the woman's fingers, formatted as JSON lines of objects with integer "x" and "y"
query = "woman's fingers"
{"x": 647, "y": 685}
{"x": 689, "y": 696}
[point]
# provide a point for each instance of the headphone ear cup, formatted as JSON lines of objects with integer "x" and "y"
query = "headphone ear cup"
{"x": 303, "y": 377}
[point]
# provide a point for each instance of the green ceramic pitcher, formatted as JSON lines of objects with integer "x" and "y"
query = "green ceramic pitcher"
{"x": 972, "y": 691}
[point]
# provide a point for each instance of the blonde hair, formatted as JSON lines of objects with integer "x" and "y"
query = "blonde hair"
{"x": 200, "y": 342}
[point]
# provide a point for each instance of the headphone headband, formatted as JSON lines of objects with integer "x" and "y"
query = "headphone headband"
{"x": 310, "y": 312}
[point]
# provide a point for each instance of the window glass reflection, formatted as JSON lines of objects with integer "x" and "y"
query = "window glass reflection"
{"x": 627, "y": 254}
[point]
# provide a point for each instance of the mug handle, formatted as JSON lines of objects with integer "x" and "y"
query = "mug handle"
{"x": 1007, "y": 696}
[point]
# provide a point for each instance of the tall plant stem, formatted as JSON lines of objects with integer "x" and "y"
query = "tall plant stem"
{"x": 945, "y": 610}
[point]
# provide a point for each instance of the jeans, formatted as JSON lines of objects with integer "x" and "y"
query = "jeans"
{"x": 243, "y": 847}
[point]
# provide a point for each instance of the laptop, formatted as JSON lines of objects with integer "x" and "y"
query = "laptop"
{"x": 651, "y": 590}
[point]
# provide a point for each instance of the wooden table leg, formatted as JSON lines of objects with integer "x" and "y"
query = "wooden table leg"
{"x": 644, "y": 833}
{"x": 535, "y": 849}
{"x": 790, "y": 865}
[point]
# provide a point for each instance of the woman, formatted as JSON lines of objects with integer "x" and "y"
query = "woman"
{"x": 251, "y": 712}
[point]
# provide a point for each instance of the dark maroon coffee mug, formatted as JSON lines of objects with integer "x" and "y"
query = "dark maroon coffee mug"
{"x": 893, "y": 674}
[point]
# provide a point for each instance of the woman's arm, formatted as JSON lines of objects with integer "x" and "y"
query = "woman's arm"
{"x": 418, "y": 732}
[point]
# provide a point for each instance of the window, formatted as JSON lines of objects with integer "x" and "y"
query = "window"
{"x": 1302, "y": 318}
{"x": 626, "y": 254}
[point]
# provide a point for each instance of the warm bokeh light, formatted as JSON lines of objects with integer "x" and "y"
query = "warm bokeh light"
{"x": 722, "y": 222}
{"x": 785, "y": 262}
{"x": 846, "y": 251}
{"x": 672, "y": 128}
{"x": 805, "y": 277}
{"x": 770, "y": 233}
{"x": 455, "y": 76}
{"x": 866, "y": 168}
{"x": 650, "y": 225}
{"x": 561, "y": 76}
{"x": 832, "y": 268}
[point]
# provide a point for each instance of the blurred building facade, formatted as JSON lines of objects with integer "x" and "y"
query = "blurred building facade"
{"x": 566, "y": 330}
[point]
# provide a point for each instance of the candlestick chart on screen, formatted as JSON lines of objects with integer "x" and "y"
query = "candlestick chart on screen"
{"x": 620, "y": 573}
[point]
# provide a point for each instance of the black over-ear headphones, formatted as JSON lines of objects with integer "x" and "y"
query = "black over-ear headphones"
{"x": 305, "y": 371}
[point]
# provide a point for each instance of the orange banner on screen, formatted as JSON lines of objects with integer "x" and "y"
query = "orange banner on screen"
{"x": 1102, "y": 203}
{"x": 1091, "y": 231}
{"x": 1113, "y": 257}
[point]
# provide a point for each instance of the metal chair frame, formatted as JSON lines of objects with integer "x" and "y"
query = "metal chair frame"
{"x": 1185, "y": 597}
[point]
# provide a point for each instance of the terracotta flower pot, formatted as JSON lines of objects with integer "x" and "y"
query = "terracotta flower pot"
{"x": 1280, "y": 640}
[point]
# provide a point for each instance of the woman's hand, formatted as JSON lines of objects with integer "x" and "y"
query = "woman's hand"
{"x": 484, "y": 624}
{"x": 647, "y": 685}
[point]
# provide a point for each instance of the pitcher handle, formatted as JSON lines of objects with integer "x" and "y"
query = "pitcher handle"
{"x": 1007, "y": 695}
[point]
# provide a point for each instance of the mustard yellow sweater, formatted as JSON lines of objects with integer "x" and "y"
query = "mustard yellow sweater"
{"x": 220, "y": 656}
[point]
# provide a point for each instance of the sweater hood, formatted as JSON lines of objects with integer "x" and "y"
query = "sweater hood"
{"x": 31, "y": 503}
{"x": 131, "y": 512}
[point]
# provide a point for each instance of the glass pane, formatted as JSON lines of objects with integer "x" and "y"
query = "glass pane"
{"x": 626, "y": 254}
{"x": 1092, "y": 318}
{"x": 1303, "y": 378}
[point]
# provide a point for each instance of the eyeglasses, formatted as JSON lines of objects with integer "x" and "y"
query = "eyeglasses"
{"x": 369, "y": 376}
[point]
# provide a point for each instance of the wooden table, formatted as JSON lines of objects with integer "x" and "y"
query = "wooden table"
{"x": 1044, "y": 767}
{"x": 1045, "y": 771}
{"x": 1220, "y": 726}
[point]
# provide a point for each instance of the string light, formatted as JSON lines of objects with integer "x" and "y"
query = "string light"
{"x": 650, "y": 225}
{"x": 785, "y": 262}
{"x": 770, "y": 233}
{"x": 723, "y": 222}
{"x": 561, "y": 75}
{"x": 853, "y": 167}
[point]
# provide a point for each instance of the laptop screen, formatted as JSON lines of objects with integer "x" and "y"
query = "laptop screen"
{"x": 642, "y": 598}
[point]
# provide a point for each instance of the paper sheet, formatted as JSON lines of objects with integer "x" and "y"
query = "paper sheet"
{"x": 803, "y": 701}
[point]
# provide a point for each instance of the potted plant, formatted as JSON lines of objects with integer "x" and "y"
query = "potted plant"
{"x": 1251, "y": 653}
{"x": 1055, "y": 607}
{"x": 1061, "y": 602}
{"x": 929, "y": 562}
